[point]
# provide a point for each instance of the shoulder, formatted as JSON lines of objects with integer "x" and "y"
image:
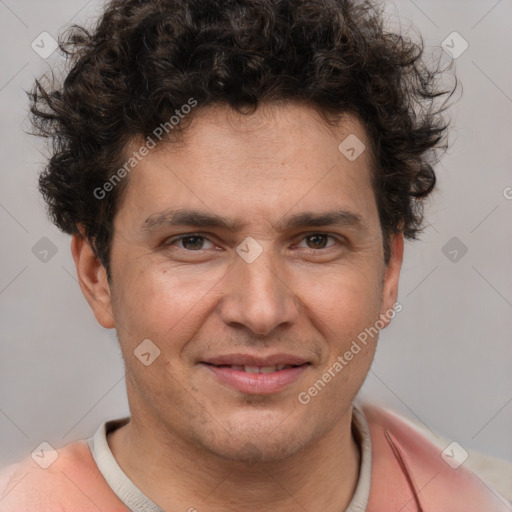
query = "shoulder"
{"x": 66, "y": 479}
{"x": 410, "y": 471}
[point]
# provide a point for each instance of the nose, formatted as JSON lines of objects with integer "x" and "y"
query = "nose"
{"x": 259, "y": 296}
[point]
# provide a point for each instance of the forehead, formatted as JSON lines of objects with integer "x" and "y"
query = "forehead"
{"x": 280, "y": 158}
{"x": 274, "y": 132}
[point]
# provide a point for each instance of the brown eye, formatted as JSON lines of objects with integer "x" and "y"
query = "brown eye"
{"x": 317, "y": 241}
{"x": 191, "y": 242}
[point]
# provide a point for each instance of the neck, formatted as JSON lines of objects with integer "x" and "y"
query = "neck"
{"x": 178, "y": 476}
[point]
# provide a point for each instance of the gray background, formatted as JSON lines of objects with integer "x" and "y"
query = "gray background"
{"x": 444, "y": 361}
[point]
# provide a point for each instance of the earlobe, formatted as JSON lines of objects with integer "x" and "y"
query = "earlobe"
{"x": 391, "y": 278}
{"x": 93, "y": 281}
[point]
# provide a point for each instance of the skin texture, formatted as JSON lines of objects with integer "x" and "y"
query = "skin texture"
{"x": 194, "y": 441}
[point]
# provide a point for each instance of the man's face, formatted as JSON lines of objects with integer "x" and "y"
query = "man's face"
{"x": 297, "y": 293}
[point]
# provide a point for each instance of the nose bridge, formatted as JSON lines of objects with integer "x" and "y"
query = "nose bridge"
{"x": 259, "y": 296}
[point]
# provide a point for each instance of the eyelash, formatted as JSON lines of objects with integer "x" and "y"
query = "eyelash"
{"x": 198, "y": 235}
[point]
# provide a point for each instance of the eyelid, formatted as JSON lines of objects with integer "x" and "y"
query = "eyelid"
{"x": 303, "y": 236}
{"x": 329, "y": 235}
{"x": 173, "y": 240}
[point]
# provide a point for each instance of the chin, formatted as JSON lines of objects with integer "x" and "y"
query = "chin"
{"x": 249, "y": 443}
{"x": 258, "y": 451}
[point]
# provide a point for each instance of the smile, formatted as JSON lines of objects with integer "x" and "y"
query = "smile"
{"x": 258, "y": 369}
{"x": 258, "y": 380}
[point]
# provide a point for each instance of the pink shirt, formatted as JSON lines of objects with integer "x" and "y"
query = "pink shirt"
{"x": 408, "y": 474}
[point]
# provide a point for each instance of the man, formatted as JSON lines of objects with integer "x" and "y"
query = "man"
{"x": 238, "y": 178}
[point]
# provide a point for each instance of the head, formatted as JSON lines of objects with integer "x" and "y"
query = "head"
{"x": 238, "y": 178}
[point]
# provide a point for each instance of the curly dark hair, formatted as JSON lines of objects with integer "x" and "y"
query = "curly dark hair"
{"x": 146, "y": 58}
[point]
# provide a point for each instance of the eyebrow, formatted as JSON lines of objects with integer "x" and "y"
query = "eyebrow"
{"x": 198, "y": 219}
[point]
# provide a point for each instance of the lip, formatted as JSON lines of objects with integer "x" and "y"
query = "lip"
{"x": 254, "y": 360}
{"x": 257, "y": 383}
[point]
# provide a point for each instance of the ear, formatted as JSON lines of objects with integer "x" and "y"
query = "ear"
{"x": 92, "y": 278}
{"x": 391, "y": 277}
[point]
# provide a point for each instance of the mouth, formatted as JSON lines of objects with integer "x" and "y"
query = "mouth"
{"x": 257, "y": 369}
{"x": 256, "y": 377}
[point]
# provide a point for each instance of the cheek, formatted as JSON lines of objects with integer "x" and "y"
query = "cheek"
{"x": 343, "y": 309}
{"x": 343, "y": 300}
{"x": 157, "y": 303}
